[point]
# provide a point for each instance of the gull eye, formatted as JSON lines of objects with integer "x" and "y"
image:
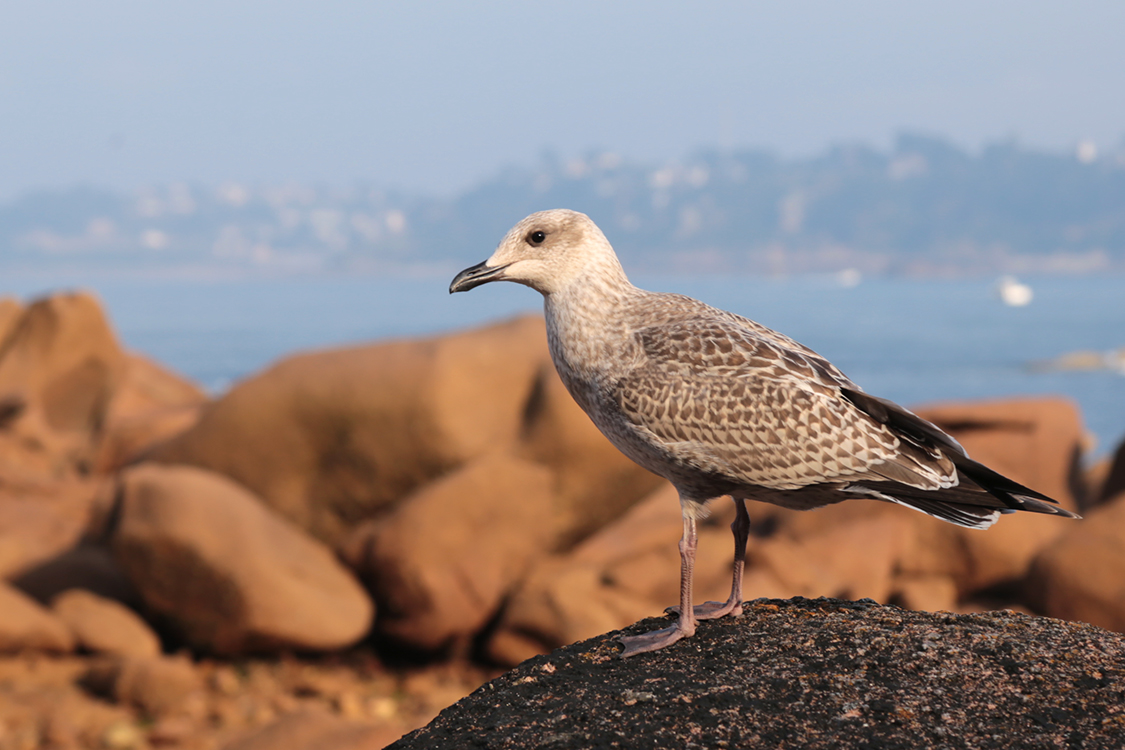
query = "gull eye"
{"x": 536, "y": 238}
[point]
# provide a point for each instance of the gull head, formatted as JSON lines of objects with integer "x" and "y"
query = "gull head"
{"x": 547, "y": 251}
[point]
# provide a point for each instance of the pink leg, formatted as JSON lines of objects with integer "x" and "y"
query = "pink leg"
{"x": 733, "y": 605}
{"x": 685, "y": 624}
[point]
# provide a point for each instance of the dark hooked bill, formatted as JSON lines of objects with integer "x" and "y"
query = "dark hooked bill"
{"x": 474, "y": 276}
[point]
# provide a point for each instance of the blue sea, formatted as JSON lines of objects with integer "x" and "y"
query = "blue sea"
{"x": 912, "y": 341}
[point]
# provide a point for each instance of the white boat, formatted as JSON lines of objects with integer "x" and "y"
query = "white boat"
{"x": 1013, "y": 292}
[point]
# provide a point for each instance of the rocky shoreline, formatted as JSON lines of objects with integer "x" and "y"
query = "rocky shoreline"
{"x": 405, "y": 519}
{"x": 806, "y": 673}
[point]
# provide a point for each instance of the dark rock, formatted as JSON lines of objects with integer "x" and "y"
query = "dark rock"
{"x": 811, "y": 674}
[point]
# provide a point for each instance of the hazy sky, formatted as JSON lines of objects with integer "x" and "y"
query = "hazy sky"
{"x": 435, "y": 95}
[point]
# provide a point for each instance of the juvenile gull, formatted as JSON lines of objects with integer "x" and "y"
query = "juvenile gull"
{"x": 720, "y": 405}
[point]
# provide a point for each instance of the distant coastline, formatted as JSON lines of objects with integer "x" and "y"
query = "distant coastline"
{"x": 924, "y": 208}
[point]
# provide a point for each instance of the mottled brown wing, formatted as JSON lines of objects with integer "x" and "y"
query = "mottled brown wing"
{"x": 722, "y": 397}
{"x": 767, "y": 346}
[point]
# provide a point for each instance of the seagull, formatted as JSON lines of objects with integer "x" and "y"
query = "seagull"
{"x": 722, "y": 406}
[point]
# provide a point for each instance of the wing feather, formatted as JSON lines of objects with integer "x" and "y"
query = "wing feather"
{"x": 722, "y": 397}
{"x": 752, "y": 411}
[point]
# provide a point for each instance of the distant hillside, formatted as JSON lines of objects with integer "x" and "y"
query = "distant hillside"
{"x": 926, "y": 207}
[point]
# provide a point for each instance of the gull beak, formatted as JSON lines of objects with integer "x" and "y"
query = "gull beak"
{"x": 474, "y": 276}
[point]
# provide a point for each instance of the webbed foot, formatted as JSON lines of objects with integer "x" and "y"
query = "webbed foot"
{"x": 652, "y": 641}
{"x": 712, "y": 610}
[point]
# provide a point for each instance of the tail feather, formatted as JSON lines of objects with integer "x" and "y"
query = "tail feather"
{"x": 980, "y": 492}
{"x": 969, "y": 516}
{"x": 1013, "y": 494}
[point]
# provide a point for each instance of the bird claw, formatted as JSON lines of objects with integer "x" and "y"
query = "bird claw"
{"x": 652, "y": 641}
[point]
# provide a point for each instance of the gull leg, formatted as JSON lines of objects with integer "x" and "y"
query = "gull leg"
{"x": 685, "y": 623}
{"x": 740, "y": 526}
{"x": 733, "y": 605}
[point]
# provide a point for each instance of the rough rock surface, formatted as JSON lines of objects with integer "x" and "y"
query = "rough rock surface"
{"x": 811, "y": 674}
{"x": 228, "y": 574}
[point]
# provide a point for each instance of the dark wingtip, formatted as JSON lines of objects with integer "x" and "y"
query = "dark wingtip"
{"x": 912, "y": 427}
{"x": 1038, "y": 506}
